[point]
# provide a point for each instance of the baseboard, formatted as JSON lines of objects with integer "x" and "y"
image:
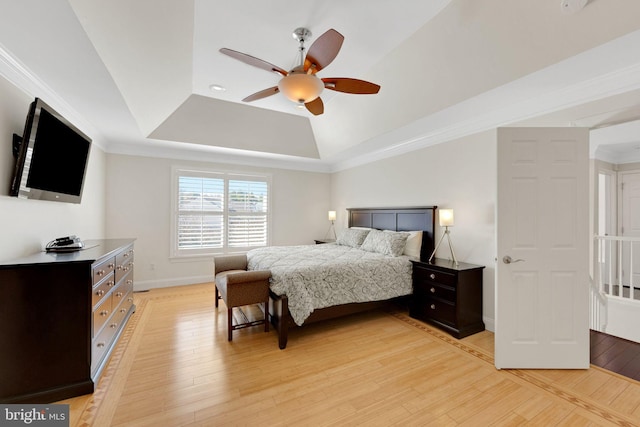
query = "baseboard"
{"x": 489, "y": 324}
{"x": 145, "y": 285}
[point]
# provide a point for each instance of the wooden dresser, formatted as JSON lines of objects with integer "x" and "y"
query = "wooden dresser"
{"x": 448, "y": 296}
{"x": 61, "y": 315}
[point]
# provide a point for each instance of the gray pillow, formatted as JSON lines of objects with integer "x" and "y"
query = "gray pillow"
{"x": 385, "y": 242}
{"x": 352, "y": 237}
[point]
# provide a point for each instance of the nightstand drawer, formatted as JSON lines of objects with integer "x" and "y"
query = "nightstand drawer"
{"x": 436, "y": 276}
{"x": 428, "y": 290}
{"x": 440, "y": 310}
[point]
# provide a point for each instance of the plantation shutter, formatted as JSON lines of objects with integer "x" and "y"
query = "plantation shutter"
{"x": 247, "y": 213}
{"x": 200, "y": 212}
{"x": 220, "y": 212}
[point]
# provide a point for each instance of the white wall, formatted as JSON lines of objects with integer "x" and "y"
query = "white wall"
{"x": 27, "y": 225}
{"x": 460, "y": 175}
{"x": 139, "y": 206}
{"x": 622, "y": 318}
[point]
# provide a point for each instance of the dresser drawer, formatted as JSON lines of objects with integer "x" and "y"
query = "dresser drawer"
{"x": 101, "y": 315}
{"x": 120, "y": 292}
{"x": 124, "y": 265}
{"x": 125, "y": 256}
{"x": 100, "y": 344}
{"x": 102, "y": 270}
{"x": 429, "y": 289}
{"x": 102, "y": 289}
{"x": 436, "y": 276}
{"x": 119, "y": 315}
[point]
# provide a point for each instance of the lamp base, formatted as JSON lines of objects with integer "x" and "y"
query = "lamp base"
{"x": 453, "y": 254}
{"x": 329, "y": 231}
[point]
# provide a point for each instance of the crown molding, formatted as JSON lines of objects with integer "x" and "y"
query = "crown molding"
{"x": 574, "y": 81}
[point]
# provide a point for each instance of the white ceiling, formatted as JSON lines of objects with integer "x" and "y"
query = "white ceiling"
{"x": 136, "y": 74}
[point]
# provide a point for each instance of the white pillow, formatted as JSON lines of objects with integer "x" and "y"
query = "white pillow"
{"x": 414, "y": 244}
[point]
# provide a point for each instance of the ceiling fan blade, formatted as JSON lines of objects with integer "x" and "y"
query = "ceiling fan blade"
{"x": 347, "y": 85}
{"x": 262, "y": 94}
{"x": 315, "y": 107}
{"x": 252, "y": 60}
{"x": 323, "y": 51}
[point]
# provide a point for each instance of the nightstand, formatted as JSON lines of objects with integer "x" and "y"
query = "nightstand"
{"x": 448, "y": 296}
{"x": 321, "y": 241}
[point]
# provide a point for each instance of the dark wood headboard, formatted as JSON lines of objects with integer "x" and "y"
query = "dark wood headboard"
{"x": 399, "y": 219}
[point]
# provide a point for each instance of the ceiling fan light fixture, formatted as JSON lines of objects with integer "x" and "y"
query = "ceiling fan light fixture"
{"x": 301, "y": 87}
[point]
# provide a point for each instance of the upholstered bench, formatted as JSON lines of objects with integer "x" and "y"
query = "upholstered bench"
{"x": 238, "y": 287}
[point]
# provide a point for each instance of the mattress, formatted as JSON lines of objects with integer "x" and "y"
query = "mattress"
{"x": 319, "y": 276}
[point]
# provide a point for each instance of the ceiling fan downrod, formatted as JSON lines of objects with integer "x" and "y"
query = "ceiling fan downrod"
{"x": 301, "y": 34}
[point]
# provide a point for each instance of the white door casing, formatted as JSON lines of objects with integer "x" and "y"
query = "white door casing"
{"x": 630, "y": 225}
{"x": 542, "y": 302}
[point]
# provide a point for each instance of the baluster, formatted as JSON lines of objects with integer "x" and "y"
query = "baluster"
{"x": 610, "y": 268}
{"x": 631, "y": 285}
{"x": 620, "y": 284}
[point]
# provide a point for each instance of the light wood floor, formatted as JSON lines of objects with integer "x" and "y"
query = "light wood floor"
{"x": 174, "y": 367}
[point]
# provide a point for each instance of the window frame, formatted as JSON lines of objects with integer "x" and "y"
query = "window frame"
{"x": 226, "y": 175}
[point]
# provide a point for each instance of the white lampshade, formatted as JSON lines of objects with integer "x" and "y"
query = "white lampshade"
{"x": 332, "y": 215}
{"x": 301, "y": 87}
{"x": 446, "y": 217}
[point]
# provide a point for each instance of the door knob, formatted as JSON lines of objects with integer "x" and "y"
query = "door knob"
{"x": 507, "y": 260}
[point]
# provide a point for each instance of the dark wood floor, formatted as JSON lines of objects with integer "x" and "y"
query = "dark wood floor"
{"x": 615, "y": 354}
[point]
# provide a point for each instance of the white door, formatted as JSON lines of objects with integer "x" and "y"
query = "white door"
{"x": 542, "y": 300}
{"x": 630, "y": 226}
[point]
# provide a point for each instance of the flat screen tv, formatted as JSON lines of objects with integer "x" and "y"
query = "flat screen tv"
{"x": 52, "y": 158}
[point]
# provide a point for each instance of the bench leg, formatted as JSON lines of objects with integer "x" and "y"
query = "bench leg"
{"x": 230, "y": 322}
{"x": 266, "y": 315}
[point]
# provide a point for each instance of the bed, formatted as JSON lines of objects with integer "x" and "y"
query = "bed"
{"x": 311, "y": 283}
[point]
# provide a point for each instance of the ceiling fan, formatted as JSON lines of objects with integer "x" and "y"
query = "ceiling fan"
{"x": 301, "y": 85}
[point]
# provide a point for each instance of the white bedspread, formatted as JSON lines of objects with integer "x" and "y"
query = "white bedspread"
{"x": 318, "y": 276}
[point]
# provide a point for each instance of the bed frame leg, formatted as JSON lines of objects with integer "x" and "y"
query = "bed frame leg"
{"x": 280, "y": 318}
{"x": 283, "y": 325}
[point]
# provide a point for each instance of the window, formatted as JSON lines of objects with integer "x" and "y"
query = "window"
{"x": 219, "y": 212}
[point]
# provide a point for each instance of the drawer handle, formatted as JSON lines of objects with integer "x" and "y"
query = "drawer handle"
{"x": 129, "y": 282}
{"x": 118, "y": 294}
{"x": 433, "y": 306}
{"x": 100, "y": 272}
{"x": 104, "y": 313}
{"x": 111, "y": 283}
{"x": 100, "y": 292}
{"x": 123, "y": 310}
{"x": 113, "y": 325}
{"x": 100, "y": 345}
{"x": 119, "y": 267}
{"x": 432, "y": 276}
{"x": 111, "y": 265}
{"x": 130, "y": 299}
{"x": 433, "y": 290}
{"x": 126, "y": 254}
